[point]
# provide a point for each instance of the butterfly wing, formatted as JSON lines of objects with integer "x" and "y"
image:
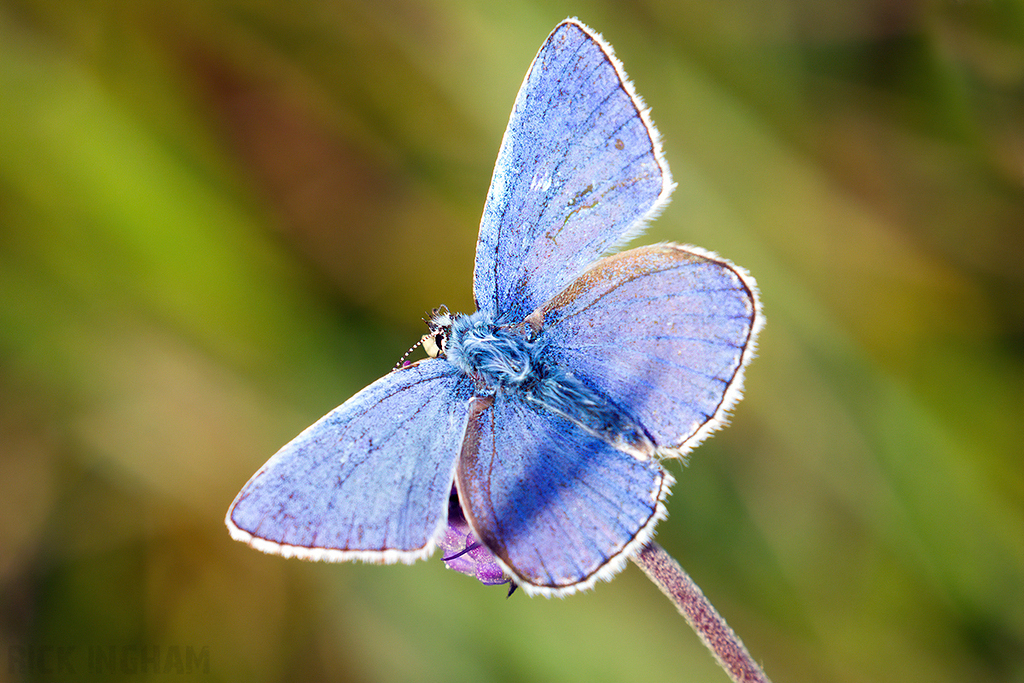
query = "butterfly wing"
{"x": 579, "y": 170}
{"x": 664, "y": 332}
{"x": 556, "y": 506}
{"x": 368, "y": 481}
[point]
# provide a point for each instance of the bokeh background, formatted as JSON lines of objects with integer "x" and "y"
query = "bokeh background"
{"x": 219, "y": 219}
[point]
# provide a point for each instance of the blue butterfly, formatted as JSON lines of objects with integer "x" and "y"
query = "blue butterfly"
{"x": 535, "y": 429}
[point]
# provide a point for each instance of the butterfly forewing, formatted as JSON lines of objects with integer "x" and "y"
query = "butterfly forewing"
{"x": 370, "y": 480}
{"x": 663, "y": 331}
{"x": 579, "y": 170}
{"x": 557, "y": 506}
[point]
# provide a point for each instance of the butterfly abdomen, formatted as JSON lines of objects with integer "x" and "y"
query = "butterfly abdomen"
{"x": 514, "y": 358}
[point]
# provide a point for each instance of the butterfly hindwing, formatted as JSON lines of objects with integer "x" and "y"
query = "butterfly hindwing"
{"x": 557, "y": 506}
{"x": 663, "y": 331}
{"x": 579, "y": 170}
{"x": 368, "y": 481}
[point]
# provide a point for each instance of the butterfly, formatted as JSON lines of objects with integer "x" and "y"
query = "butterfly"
{"x": 539, "y": 422}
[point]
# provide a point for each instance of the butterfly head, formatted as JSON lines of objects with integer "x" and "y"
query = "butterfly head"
{"x": 435, "y": 342}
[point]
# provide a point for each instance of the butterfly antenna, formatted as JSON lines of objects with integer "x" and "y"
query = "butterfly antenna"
{"x": 401, "y": 361}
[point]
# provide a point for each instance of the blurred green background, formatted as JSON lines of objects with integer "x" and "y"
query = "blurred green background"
{"x": 220, "y": 219}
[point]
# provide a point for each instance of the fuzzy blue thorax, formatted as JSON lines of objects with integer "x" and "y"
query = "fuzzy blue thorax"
{"x": 497, "y": 356}
{"x": 515, "y": 358}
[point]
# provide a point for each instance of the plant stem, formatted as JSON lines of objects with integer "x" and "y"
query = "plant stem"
{"x": 677, "y": 585}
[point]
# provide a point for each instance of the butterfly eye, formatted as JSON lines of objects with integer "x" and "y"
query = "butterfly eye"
{"x": 441, "y": 340}
{"x": 435, "y": 342}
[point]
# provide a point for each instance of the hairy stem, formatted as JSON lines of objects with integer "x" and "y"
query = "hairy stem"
{"x": 677, "y": 585}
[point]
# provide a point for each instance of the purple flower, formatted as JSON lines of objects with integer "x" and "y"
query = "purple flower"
{"x": 464, "y": 553}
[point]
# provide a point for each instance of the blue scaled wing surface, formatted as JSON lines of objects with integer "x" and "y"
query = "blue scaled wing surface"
{"x": 664, "y": 332}
{"x": 370, "y": 480}
{"x": 579, "y": 171}
{"x": 558, "y": 507}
